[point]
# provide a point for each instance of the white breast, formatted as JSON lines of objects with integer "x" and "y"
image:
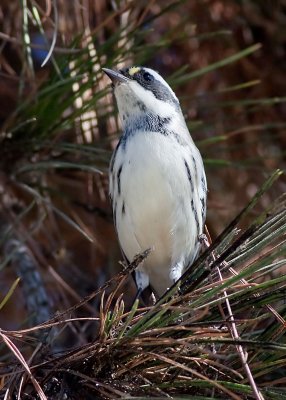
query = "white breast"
{"x": 153, "y": 202}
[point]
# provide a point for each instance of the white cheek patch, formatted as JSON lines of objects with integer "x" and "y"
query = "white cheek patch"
{"x": 131, "y": 95}
{"x": 162, "y": 108}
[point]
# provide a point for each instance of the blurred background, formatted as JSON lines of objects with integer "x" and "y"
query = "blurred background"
{"x": 226, "y": 61}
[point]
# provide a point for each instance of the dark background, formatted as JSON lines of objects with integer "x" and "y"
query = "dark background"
{"x": 236, "y": 115}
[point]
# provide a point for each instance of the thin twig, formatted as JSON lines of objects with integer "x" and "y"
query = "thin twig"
{"x": 234, "y": 333}
{"x": 241, "y": 352}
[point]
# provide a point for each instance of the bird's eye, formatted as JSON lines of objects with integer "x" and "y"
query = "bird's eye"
{"x": 148, "y": 77}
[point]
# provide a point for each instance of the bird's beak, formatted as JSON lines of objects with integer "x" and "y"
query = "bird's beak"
{"x": 116, "y": 77}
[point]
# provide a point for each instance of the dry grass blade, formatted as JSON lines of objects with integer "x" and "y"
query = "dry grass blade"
{"x": 19, "y": 356}
{"x": 9, "y": 294}
{"x": 197, "y": 374}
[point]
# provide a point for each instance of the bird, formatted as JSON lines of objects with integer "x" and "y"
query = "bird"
{"x": 157, "y": 181}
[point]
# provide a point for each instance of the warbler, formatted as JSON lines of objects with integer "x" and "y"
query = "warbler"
{"x": 157, "y": 181}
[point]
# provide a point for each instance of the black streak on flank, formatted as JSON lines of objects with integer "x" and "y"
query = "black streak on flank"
{"x": 203, "y": 203}
{"x": 195, "y": 165}
{"x": 114, "y": 156}
{"x": 123, "y": 208}
{"x": 114, "y": 213}
{"x": 119, "y": 179}
{"x": 189, "y": 175}
{"x": 195, "y": 215}
{"x": 203, "y": 181}
{"x": 179, "y": 139}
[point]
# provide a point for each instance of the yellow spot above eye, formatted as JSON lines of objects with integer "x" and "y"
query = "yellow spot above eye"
{"x": 133, "y": 70}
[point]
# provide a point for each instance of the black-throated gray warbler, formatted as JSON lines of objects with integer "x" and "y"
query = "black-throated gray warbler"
{"x": 157, "y": 180}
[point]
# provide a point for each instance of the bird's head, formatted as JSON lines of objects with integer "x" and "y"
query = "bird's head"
{"x": 140, "y": 90}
